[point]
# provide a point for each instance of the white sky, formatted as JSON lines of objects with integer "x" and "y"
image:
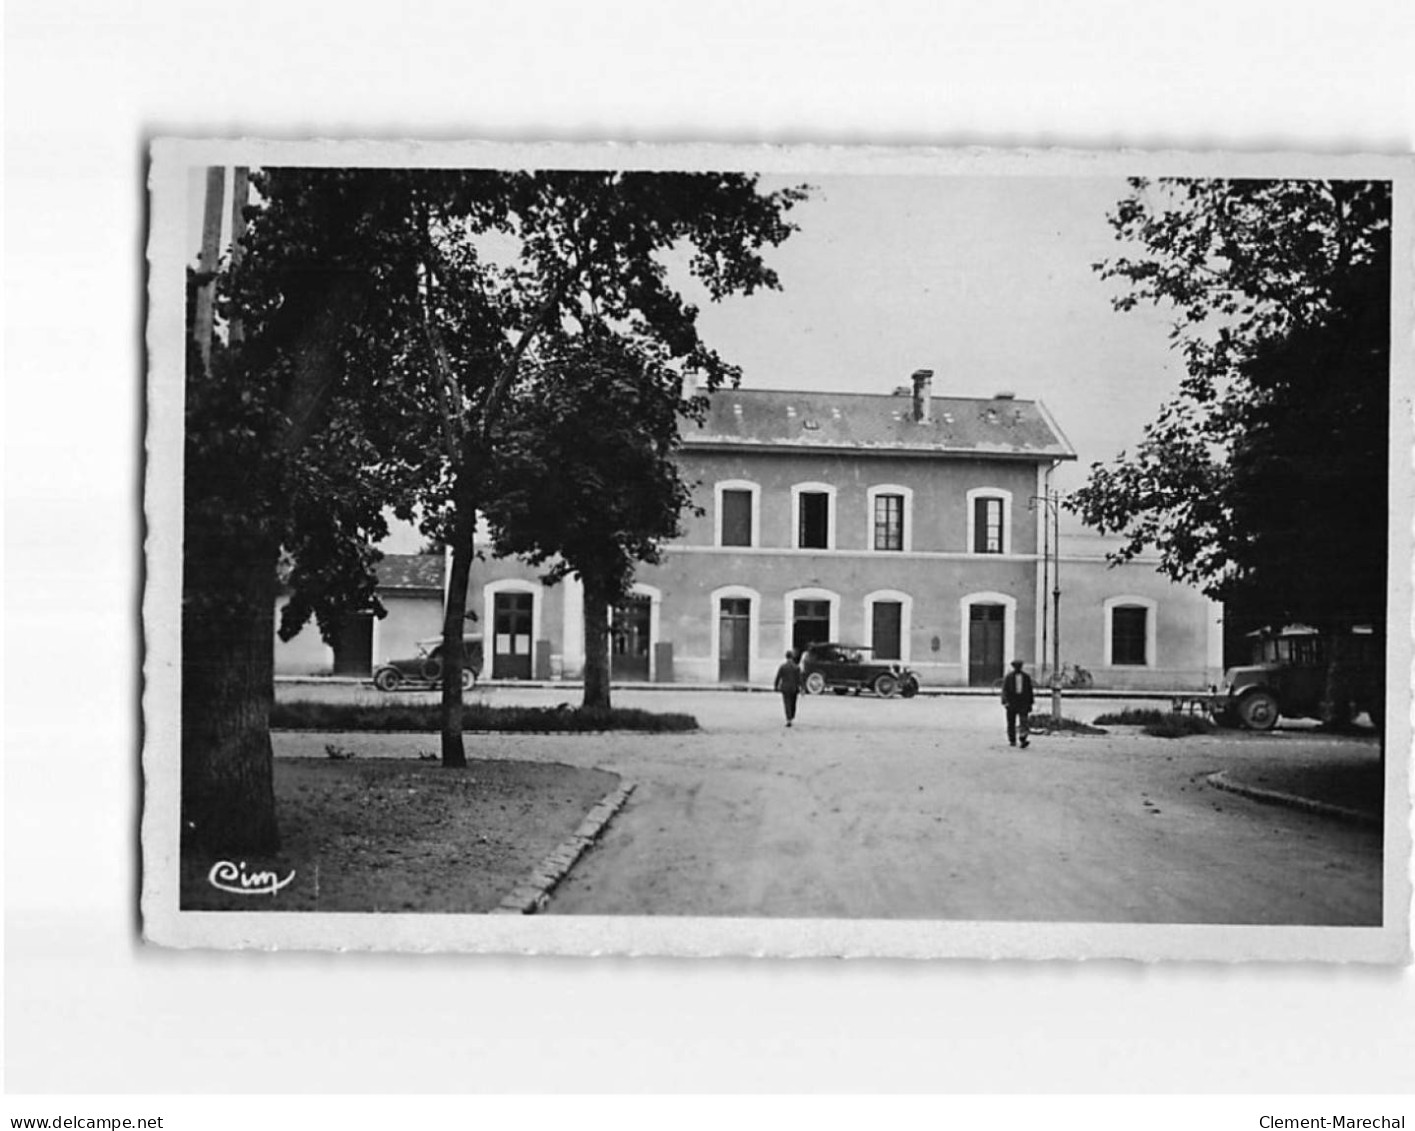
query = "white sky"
{"x": 987, "y": 280}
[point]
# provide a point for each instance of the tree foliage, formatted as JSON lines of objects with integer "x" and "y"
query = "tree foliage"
{"x": 585, "y": 481}
{"x": 1263, "y": 479}
{"x": 384, "y": 315}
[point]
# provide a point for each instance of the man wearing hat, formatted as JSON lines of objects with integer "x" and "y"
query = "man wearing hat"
{"x": 1017, "y": 696}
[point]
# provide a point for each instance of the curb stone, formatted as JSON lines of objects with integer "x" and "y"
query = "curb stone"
{"x": 1221, "y": 781}
{"x": 532, "y": 894}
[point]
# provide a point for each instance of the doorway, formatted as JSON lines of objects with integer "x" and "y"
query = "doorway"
{"x": 887, "y": 619}
{"x": 353, "y": 645}
{"x": 810, "y": 624}
{"x": 511, "y": 626}
{"x": 629, "y": 644}
{"x": 734, "y": 639}
{"x": 985, "y": 641}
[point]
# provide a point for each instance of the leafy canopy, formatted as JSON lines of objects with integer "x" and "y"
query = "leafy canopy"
{"x": 585, "y": 475}
{"x": 1263, "y": 479}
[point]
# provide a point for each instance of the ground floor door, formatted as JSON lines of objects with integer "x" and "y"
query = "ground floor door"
{"x": 353, "y": 645}
{"x": 629, "y": 643}
{"x": 734, "y": 639}
{"x": 810, "y": 624}
{"x": 985, "y": 641}
{"x": 887, "y": 620}
{"x": 511, "y": 628}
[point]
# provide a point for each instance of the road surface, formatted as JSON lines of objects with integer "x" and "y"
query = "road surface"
{"x": 918, "y": 809}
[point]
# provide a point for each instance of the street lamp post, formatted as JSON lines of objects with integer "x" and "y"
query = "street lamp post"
{"x": 1052, "y": 547}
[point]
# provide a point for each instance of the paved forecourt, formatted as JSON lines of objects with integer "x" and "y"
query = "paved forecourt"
{"x": 918, "y": 808}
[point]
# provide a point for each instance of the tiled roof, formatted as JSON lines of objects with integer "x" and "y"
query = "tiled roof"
{"x": 770, "y": 418}
{"x": 410, "y": 571}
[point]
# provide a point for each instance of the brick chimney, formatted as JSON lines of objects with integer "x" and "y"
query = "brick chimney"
{"x": 923, "y": 395}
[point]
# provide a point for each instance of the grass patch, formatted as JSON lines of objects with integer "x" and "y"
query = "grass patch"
{"x": 378, "y": 835}
{"x": 1177, "y": 724}
{"x": 1133, "y": 717}
{"x": 1045, "y": 724}
{"x": 426, "y": 718}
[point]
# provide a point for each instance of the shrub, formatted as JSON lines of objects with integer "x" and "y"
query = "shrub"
{"x": 1045, "y": 724}
{"x": 1132, "y": 717}
{"x": 1178, "y": 724}
{"x": 426, "y": 718}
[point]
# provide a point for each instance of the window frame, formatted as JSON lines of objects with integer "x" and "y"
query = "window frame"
{"x": 813, "y": 488}
{"x": 1004, "y": 496}
{"x": 906, "y": 517}
{"x": 719, "y": 489}
{"x": 1130, "y": 601}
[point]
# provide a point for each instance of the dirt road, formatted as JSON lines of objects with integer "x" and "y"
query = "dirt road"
{"x": 920, "y": 810}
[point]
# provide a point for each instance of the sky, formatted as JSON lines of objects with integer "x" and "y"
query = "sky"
{"x": 986, "y": 280}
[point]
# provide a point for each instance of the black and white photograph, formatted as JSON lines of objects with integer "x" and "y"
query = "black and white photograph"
{"x": 652, "y": 564}
{"x": 784, "y": 550}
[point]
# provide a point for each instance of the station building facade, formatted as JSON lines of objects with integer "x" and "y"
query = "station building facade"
{"x": 910, "y": 523}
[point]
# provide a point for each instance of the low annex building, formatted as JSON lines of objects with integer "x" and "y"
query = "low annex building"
{"x": 908, "y": 522}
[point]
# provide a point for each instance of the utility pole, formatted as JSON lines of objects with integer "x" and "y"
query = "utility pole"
{"x": 210, "y": 256}
{"x": 240, "y": 194}
{"x": 1051, "y": 549}
{"x": 1054, "y": 506}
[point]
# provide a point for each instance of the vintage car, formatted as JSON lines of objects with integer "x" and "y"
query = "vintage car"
{"x": 425, "y": 669}
{"x": 1289, "y": 676}
{"x": 852, "y": 667}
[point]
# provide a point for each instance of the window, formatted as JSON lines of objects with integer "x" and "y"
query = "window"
{"x": 813, "y": 516}
{"x": 889, "y": 522}
{"x": 813, "y": 525}
{"x": 987, "y": 525}
{"x": 736, "y": 517}
{"x": 1128, "y": 633}
{"x": 889, "y": 518}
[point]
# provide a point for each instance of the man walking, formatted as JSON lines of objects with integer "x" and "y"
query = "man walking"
{"x": 788, "y": 682}
{"x": 1017, "y": 694}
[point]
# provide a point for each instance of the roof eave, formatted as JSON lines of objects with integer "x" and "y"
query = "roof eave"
{"x": 777, "y": 448}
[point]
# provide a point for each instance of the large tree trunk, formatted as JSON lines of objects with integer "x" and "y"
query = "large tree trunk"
{"x": 454, "y": 753}
{"x": 229, "y": 589}
{"x": 597, "y": 602}
{"x": 454, "y": 622}
{"x": 228, "y": 660}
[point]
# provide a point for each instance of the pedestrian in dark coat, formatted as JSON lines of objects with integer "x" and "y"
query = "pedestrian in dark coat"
{"x": 1017, "y": 695}
{"x": 788, "y": 682}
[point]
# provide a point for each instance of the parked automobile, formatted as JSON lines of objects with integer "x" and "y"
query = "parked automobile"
{"x": 852, "y": 667}
{"x": 1288, "y": 677}
{"x": 425, "y": 669}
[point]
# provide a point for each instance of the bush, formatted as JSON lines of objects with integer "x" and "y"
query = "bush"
{"x": 1178, "y": 724}
{"x": 1133, "y": 717}
{"x": 426, "y": 718}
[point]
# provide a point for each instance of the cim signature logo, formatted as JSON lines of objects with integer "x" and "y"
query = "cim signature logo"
{"x": 234, "y": 878}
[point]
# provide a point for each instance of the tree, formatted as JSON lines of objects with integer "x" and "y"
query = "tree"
{"x": 591, "y": 250}
{"x": 378, "y": 346}
{"x": 1263, "y": 480}
{"x": 585, "y": 477}
{"x": 298, "y": 437}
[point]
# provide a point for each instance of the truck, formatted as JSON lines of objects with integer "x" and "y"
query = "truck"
{"x": 1301, "y": 672}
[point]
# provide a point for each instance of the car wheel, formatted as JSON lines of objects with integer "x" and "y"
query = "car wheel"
{"x": 909, "y": 688}
{"x": 815, "y": 683}
{"x": 886, "y": 686}
{"x": 1258, "y": 710}
{"x": 387, "y": 679}
{"x": 469, "y": 679}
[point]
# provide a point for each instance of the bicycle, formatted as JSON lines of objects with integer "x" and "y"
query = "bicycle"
{"x": 1073, "y": 677}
